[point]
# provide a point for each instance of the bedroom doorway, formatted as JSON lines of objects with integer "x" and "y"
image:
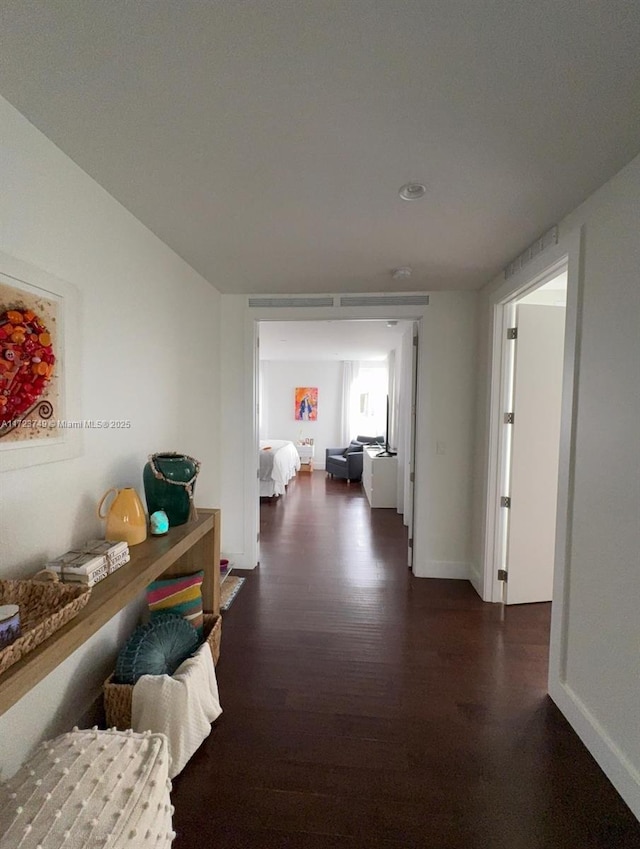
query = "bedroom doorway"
{"x": 313, "y": 355}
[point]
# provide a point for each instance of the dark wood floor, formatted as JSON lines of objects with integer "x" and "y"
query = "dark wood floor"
{"x": 367, "y": 709}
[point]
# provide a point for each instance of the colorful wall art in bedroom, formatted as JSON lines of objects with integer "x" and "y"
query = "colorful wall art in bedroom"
{"x": 306, "y": 404}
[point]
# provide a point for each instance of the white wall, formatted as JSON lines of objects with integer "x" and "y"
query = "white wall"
{"x": 598, "y": 682}
{"x": 239, "y": 457}
{"x": 445, "y": 423}
{"x": 150, "y": 353}
{"x": 446, "y": 410}
{"x": 280, "y": 379}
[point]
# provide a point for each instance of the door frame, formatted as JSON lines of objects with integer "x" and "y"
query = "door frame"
{"x": 253, "y": 317}
{"x": 566, "y": 253}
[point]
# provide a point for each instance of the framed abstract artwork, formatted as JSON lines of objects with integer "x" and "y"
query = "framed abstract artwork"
{"x": 39, "y": 367}
{"x": 306, "y": 404}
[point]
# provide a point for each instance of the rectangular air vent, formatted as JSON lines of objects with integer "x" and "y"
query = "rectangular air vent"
{"x": 384, "y": 300}
{"x": 291, "y": 302}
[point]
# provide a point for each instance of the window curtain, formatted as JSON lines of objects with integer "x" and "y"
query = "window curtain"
{"x": 350, "y": 369}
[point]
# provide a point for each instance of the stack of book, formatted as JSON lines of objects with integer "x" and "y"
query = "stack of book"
{"x": 91, "y": 562}
{"x": 117, "y": 553}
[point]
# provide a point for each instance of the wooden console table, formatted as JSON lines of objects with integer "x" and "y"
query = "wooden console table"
{"x": 185, "y": 549}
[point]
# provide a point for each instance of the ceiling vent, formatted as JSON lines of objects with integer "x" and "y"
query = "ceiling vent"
{"x": 290, "y": 302}
{"x": 384, "y": 301}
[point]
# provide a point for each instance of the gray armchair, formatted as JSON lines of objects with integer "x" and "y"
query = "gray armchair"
{"x": 346, "y": 462}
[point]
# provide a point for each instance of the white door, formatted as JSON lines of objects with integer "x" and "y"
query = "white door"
{"x": 534, "y": 453}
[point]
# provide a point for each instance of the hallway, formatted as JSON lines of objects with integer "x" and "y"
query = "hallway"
{"x": 366, "y": 709}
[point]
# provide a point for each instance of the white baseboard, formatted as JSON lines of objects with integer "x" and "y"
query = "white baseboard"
{"x": 476, "y": 580}
{"x": 239, "y": 560}
{"x": 624, "y": 776}
{"x": 442, "y": 569}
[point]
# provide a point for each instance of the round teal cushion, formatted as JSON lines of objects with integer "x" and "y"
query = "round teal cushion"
{"x": 157, "y": 648}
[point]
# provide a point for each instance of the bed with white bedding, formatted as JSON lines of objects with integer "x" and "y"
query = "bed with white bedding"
{"x": 279, "y": 462}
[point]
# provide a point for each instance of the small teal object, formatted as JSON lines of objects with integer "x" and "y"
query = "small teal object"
{"x": 159, "y": 522}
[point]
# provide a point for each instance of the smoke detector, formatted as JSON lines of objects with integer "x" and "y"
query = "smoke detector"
{"x": 412, "y": 191}
{"x": 402, "y": 273}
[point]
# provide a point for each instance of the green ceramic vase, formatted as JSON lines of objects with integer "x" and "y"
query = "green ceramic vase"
{"x": 161, "y": 495}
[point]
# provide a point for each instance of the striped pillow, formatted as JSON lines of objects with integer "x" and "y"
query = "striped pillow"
{"x": 182, "y": 595}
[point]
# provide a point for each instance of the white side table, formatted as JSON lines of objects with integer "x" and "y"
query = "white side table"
{"x": 305, "y": 452}
{"x": 379, "y": 476}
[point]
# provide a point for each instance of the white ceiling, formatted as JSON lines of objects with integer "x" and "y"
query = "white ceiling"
{"x": 266, "y": 141}
{"x": 308, "y": 341}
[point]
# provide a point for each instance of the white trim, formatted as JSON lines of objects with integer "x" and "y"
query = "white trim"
{"x": 444, "y": 569}
{"x": 611, "y": 759}
{"x": 498, "y": 475}
{"x": 475, "y": 578}
{"x": 566, "y": 463}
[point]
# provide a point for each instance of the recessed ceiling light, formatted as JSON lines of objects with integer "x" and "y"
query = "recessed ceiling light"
{"x": 403, "y": 273}
{"x": 412, "y": 191}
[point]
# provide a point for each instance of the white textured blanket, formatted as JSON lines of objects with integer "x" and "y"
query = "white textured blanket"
{"x": 182, "y": 706}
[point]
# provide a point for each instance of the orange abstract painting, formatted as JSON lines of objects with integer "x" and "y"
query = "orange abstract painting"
{"x": 306, "y": 404}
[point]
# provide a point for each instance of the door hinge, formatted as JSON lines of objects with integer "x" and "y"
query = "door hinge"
{"x": 508, "y": 418}
{"x": 415, "y": 341}
{"x": 258, "y": 537}
{"x": 512, "y": 333}
{"x": 410, "y": 542}
{"x": 505, "y": 501}
{"x": 412, "y": 477}
{"x": 502, "y": 575}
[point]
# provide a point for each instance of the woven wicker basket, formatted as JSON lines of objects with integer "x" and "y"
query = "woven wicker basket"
{"x": 118, "y": 698}
{"x": 44, "y": 606}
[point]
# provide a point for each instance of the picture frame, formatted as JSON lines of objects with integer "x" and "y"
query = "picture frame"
{"x": 305, "y": 404}
{"x": 41, "y": 423}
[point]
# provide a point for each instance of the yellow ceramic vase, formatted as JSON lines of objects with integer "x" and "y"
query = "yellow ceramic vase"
{"x": 126, "y": 520}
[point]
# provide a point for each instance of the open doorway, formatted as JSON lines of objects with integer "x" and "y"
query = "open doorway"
{"x": 352, "y": 368}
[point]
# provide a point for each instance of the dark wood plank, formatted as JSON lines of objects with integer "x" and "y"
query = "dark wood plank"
{"x": 367, "y": 708}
